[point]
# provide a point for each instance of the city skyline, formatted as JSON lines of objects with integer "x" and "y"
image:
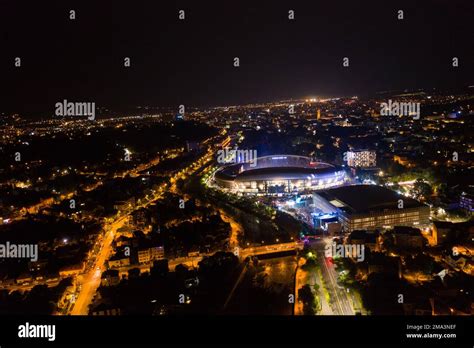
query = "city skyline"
{"x": 110, "y": 111}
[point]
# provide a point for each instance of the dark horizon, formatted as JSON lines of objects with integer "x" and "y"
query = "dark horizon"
{"x": 190, "y": 62}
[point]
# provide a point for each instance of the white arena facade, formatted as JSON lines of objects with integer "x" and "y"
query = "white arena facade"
{"x": 279, "y": 174}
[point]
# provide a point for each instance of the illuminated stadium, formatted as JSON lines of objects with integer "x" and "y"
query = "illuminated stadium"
{"x": 279, "y": 174}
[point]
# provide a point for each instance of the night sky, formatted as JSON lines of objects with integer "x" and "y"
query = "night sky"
{"x": 191, "y": 62}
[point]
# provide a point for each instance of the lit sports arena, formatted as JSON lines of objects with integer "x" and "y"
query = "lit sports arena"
{"x": 279, "y": 174}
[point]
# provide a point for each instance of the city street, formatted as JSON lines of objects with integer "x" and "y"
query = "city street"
{"x": 341, "y": 299}
{"x": 91, "y": 280}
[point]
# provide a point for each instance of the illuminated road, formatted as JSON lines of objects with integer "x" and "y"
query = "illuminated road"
{"x": 28, "y": 287}
{"x": 235, "y": 227}
{"x": 91, "y": 280}
{"x": 270, "y": 249}
{"x": 341, "y": 299}
{"x": 194, "y": 260}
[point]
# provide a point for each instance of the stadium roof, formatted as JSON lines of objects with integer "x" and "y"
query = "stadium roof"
{"x": 283, "y": 173}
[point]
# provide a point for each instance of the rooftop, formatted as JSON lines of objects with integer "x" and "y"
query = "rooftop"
{"x": 358, "y": 199}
